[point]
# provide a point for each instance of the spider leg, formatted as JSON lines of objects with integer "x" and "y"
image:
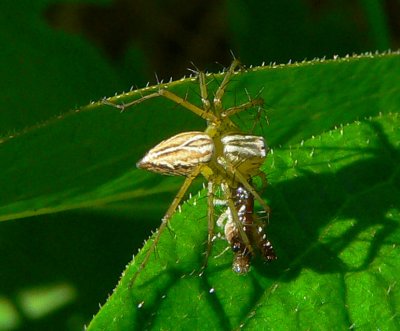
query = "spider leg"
{"x": 264, "y": 181}
{"x": 171, "y": 96}
{"x": 242, "y": 179}
{"x": 261, "y": 114}
{"x": 237, "y": 109}
{"x": 253, "y": 192}
{"x": 123, "y": 106}
{"x": 211, "y": 222}
{"x": 165, "y": 220}
{"x": 203, "y": 91}
{"x": 221, "y": 89}
{"x": 238, "y": 224}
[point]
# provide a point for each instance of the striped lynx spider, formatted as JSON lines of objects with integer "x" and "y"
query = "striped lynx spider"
{"x": 227, "y": 158}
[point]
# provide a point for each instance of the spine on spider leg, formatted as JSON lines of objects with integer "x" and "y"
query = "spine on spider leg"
{"x": 253, "y": 228}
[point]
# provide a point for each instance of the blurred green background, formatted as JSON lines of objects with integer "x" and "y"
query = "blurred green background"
{"x": 56, "y": 56}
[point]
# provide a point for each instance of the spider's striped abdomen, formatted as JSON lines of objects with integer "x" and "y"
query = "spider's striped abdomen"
{"x": 180, "y": 154}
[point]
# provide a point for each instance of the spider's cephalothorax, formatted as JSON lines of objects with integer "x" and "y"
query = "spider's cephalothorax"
{"x": 254, "y": 229}
{"x": 223, "y": 154}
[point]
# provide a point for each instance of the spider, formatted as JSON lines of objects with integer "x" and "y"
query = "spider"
{"x": 225, "y": 156}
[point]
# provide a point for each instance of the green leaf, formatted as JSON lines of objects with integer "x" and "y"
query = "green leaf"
{"x": 335, "y": 227}
{"x": 46, "y": 72}
{"x": 334, "y": 196}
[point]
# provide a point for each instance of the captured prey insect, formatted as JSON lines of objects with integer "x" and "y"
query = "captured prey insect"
{"x": 252, "y": 226}
{"x": 226, "y": 157}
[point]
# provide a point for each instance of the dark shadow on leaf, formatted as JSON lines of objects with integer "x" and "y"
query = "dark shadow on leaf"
{"x": 305, "y": 229}
{"x": 305, "y": 209}
{"x": 218, "y": 308}
{"x": 148, "y": 313}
